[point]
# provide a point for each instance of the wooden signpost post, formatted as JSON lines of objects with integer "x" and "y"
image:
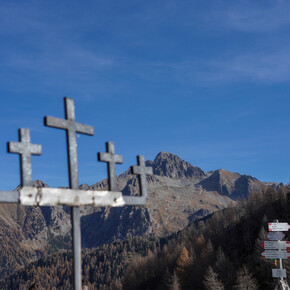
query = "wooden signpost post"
{"x": 277, "y": 249}
{"x": 74, "y": 197}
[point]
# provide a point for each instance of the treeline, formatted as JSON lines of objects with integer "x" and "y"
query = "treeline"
{"x": 102, "y": 268}
{"x": 221, "y": 251}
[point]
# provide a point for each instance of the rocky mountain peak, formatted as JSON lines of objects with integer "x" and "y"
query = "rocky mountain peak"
{"x": 172, "y": 166}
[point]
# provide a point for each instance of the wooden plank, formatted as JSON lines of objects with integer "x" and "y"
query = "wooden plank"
{"x": 59, "y": 196}
{"x": 9, "y": 196}
{"x": 134, "y": 200}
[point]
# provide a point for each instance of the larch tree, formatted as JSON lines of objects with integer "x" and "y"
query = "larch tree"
{"x": 245, "y": 281}
{"x": 174, "y": 282}
{"x": 211, "y": 281}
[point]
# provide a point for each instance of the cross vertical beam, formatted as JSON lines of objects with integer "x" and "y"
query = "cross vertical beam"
{"x": 25, "y": 149}
{"x": 142, "y": 171}
{"x": 72, "y": 128}
{"x": 111, "y": 158}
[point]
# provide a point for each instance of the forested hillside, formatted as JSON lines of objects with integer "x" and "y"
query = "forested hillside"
{"x": 221, "y": 250}
{"x": 178, "y": 194}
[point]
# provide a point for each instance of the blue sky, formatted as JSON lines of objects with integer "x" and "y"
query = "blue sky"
{"x": 206, "y": 80}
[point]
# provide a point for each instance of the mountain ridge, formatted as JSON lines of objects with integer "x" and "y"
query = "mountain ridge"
{"x": 178, "y": 194}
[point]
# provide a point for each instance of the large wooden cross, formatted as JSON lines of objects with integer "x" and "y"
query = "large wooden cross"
{"x": 74, "y": 197}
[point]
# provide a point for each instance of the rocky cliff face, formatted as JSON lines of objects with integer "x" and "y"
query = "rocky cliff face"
{"x": 178, "y": 194}
{"x": 231, "y": 184}
{"x": 170, "y": 165}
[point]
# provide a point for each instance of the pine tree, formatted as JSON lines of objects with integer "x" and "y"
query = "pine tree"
{"x": 224, "y": 268}
{"x": 211, "y": 281}
{"x": 174, "y": 282}
{"x": 245, "y": 280}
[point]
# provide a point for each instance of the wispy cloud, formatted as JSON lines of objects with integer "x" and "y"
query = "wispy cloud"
{"x": 256, "y": 66}
{"x": 69, "y": 60}
{"x": 251, "y": 16}
{"x": 54, "y": 54}
{"x": 273, "y": 67}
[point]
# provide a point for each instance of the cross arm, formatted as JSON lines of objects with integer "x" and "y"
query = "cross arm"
{"x": 134, "y": 200}
{"x": 35, "y": 149}
{"x": 55, "y": 122}
{"x": 32, "y": 196}
{"x": 65, "y": 124}
{"x": 42, "y": 196}
{"x": 14, "y": 147}
{"x": 107, "y": 157}
{"x": 9, "y": 196}
{"x": 84, "y": 129}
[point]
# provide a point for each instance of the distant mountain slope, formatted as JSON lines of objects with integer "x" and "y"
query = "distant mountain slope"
{"x": 228, "y": 240}
{"x": 179, "y": 193}
{"x": 231, "y": 184}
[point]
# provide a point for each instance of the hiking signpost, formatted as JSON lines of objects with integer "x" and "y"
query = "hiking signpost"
{"x": 279, "y": 273}
{"x": 277, "y": 249}
{"x": 278, "y": 227}
{"x": 276, "y": 254}
{"x": 275, "y": 236}
{"x": 273, "y": 245}
{"x": 74, "y": 197}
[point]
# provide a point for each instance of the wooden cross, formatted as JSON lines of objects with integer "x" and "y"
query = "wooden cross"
{"x": 142, "y": 171}
{"x": 72, "y": 128}
{"x": 31, "y": 196}
{"x": 25, "y": 149}
{"x": 111, "y": 158}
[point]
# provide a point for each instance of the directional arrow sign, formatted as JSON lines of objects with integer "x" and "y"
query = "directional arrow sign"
{"x": 276, "y": 255}
{"x": 276, "y": 245}
{"x": 279, "y": 273}
{"x": 275, "y": 236}
{"x": 278, "y": 227}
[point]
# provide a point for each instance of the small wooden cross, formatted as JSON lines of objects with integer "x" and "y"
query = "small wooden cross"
{"x": 111, "y": 158}
{"x": 142, "y": 171}
{"x": 25, "y": 149}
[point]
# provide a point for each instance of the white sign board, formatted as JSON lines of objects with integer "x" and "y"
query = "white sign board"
{"x": 276, "y": 255}
{"x": 278, "y": 227}
{"x": 276, "y": 245}
{"x": 56, "y": 196}
{"x": 275, "y": 236}
{"x": 279, "y": 273}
